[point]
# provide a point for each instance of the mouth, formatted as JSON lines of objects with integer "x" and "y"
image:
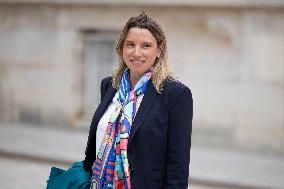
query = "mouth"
{"x": 134, "y": 61}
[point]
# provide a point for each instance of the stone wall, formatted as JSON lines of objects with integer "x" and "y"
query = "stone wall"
{"x": 231, "y": 57}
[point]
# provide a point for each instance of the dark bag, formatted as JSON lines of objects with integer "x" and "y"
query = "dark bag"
{"x": 73, "y": 178}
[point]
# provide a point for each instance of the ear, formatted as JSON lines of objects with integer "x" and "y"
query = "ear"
{"x": 160, "y": 49}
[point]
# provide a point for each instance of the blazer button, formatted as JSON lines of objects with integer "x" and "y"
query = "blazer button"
{"x": 131, "y": 170}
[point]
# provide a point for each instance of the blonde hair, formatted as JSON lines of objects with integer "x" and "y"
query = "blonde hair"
{"x": 161, "y": 67}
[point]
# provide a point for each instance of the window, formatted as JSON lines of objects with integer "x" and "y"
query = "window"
{"x": 100, "y": 61}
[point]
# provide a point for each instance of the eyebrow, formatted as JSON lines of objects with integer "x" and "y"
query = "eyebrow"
{"x": 130, "y": 41}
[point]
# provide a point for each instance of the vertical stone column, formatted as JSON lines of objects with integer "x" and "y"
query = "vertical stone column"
{"x": 261, "y": 103}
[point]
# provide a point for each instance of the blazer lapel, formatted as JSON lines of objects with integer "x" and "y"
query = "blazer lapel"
{"x": 147, "y": 101}
{"x": 103, "y": 106}
{"x": 106, "y": 101}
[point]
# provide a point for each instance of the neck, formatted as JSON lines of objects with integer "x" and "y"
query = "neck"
{"x": 134, "y": 79}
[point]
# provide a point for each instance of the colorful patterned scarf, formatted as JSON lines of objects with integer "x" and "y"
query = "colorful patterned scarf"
{"x": 111, "y": 165}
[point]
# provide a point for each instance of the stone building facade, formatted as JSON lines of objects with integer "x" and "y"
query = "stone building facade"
{"x": 53, "y": 54}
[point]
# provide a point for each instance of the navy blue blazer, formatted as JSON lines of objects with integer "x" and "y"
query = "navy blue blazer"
{"x": 160, "y": 138}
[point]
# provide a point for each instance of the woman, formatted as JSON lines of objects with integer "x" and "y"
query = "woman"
{"x": 140, "y": 135}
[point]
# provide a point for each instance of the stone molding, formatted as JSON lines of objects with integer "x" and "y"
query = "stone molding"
{"x": 190, "y": 3}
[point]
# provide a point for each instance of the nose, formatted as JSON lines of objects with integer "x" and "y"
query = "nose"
{"x": 137, "y": 51}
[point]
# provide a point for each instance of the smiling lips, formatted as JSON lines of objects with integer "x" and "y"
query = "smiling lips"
{"x": 137, "y": 61}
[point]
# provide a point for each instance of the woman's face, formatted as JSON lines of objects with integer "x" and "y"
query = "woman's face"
{"x": 140, "y": 51}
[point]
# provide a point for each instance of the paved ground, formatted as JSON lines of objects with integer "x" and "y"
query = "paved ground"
{"x": 27, "y": 153}
{"x": 22, "y": 174}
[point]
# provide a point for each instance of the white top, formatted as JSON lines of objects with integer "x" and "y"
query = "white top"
{"x": 102, "y": 125}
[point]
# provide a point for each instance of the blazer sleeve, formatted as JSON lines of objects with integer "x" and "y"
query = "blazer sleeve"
{"x": 180, "y": 108}
{"x": 89, "y": 153}
{"x": 105, "y": 83}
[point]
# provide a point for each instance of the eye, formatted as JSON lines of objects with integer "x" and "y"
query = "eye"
{"x": 129, "y": 44}
{"x": 146, "y": 45}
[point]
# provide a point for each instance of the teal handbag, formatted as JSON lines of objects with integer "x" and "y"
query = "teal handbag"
{"x": 73, "y": 178}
